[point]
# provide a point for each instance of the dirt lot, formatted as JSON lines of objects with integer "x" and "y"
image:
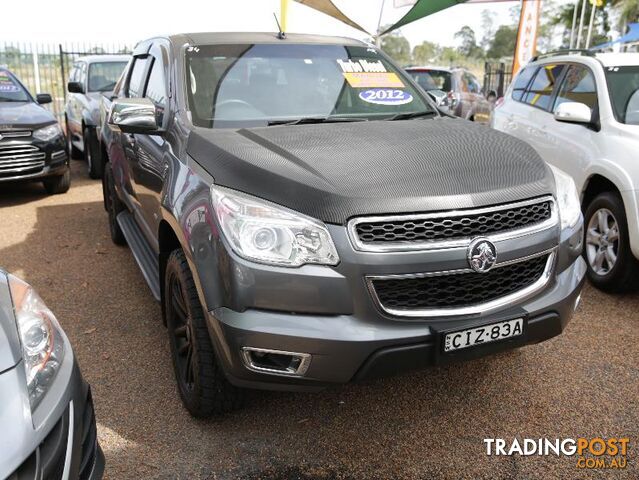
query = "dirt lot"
{"x": 427, "y": 425}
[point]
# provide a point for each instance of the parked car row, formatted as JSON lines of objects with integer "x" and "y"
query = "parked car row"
{"x": 457, "y": 91}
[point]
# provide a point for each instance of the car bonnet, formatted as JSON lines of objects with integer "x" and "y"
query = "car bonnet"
{"x": 337, "y": 171}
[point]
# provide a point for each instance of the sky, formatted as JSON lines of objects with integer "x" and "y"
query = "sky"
{"x": 128, "y": 21}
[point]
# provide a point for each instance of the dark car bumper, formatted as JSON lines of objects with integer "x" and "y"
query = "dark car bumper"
{"x": 30, "y": 160}
{"x": 346, "y": 348}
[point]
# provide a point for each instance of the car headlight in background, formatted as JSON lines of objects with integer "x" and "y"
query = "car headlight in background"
{"x": 41, "y": 339}
{"x": 47, "y": 133}
{"x": 567, "y": 198}
{"x": 263, "y": 232}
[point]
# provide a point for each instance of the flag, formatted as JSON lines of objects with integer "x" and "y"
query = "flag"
{"x": 329, "y": 8}
{"x": 526, "y": 46}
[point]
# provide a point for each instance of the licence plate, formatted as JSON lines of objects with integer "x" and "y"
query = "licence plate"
{"x": 484, "y": 334}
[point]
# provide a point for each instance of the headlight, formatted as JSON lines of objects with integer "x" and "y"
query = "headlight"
{"x": 567, "y": 198}
{"x": 41, "y": 339}
{"x": 47, "y": 133}
{"x": 263, "y": 232}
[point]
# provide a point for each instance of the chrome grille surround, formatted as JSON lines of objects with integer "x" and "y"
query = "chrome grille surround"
{"x": 477, "y": 308}
{"x": 453, "y": 241}
{"x": 20, "y": 158}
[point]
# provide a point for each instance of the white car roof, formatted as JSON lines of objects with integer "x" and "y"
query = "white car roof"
{"x": 618, "y": 59}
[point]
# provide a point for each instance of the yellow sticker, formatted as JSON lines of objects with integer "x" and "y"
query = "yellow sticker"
{"x": 373, "y": 80}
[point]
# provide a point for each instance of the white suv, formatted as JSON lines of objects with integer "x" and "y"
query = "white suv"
{"x": 580, "y": 111}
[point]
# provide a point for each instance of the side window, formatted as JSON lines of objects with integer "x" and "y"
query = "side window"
{"x": 522, "y": 81}
{"x": 156, "y": 89}
{"x": 540, "y": 91}
{"x": 82, "y": 73}
{"x": 578, "y": 86}
{"x": 73, "y": 77}
{"x": 136, "y": 81}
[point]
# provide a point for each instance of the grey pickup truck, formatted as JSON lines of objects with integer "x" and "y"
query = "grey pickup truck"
{"x": 307, "y": 217}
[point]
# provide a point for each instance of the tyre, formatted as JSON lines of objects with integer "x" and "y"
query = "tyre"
{"x": 92, "y": 153}
{"x": 58, "y": 184}
{"x": 203, "y": 387}
{"x": 71, "y": 150}
{"x": 113, "y": 206}
{"x": 611, "y": 264}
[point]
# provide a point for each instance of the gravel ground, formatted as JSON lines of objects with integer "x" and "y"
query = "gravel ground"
{"x": 429, "y": 425}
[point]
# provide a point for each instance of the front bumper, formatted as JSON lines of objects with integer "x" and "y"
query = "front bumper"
{"x": 346, "y": 348}
{"x": 59, "y": 441}
{"x": 46, "y": 160}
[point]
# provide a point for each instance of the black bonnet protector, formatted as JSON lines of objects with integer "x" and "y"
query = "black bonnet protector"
{"x": 337, "y": 171}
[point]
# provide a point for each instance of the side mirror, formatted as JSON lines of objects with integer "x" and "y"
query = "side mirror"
{"x": 134, "y": 115}
{"x": 573, "y": 112}
{"x": 75, "y": 87}
{"x": 439, "y": 96}
{"x": 43, "y": 98}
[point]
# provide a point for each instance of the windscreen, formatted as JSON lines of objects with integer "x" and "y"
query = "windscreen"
{"x": 433, "y": 79}
{"x": 11, "y": 90}
{"x": 232, "y": 86}
{"x": 623, "y": 86}
{"x": 104, "y": 75}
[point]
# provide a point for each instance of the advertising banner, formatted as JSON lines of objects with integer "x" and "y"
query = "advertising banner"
{"x": 526, "y": 46}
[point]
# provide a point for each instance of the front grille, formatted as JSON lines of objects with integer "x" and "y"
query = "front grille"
{"x": 20, "y": 159}
{"x": 457, "y": 290}
{"x": 451, "y": 226}
{"x": 15, "y": 134}
{"x": 89, "y": 440}
{"x": 47, "y": 461}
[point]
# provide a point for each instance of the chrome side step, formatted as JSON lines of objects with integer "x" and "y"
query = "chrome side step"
{"x": 146, "y": 259}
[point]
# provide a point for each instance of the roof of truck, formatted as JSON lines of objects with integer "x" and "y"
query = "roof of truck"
{"x": 103, "y": 58}
{"x": 204, "y": 38}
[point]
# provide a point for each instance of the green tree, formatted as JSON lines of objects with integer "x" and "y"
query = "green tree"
{"x": 628, "y": 11}
{"x": 468, "y": 46}
{"x": 503, "y": 44}
{"x": 425, "y": 53}
{"x": 488, "y": 27}
{"x": 450, "y": 56}
{"x": 397, "y": 47}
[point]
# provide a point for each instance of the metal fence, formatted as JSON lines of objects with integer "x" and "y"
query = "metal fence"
{"x": 44, "y": 67}
{"x": 497, "y": 77}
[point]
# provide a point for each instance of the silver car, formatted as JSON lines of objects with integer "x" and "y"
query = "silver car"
{"x": 46, "y": 411}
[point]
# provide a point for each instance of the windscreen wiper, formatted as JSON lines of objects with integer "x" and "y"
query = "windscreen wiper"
{"x": 410, "y": 115}
{"x": 309, "y": 120}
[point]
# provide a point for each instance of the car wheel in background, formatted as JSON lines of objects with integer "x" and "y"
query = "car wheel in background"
{"x": 611, "y": 265}
{"x": 203, "y": 387}
{"x": 71, "y": 150}
{"x": 58, "y": 184}
{"x": 92, "y": 153}
{"x": 113, "y": 206}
